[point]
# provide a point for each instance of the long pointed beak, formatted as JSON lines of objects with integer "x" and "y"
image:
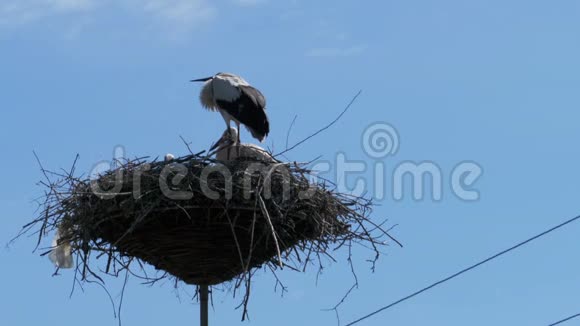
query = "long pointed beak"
{"x": 224, "y": 142}
{"x": 201, "y": 79}
{"x": 216, "y": 145}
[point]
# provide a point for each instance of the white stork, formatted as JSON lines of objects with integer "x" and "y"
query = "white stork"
{"x": 229, "y": 149}
{"x": 237, "y": 101}
{"x": 169, "y": 157}
{"x": 61, "y": 253}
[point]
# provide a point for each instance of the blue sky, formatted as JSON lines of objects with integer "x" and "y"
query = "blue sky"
{"x": 494, "y": 82}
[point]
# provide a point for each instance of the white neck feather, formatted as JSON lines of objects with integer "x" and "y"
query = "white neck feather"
{"x": 206, "y": 96}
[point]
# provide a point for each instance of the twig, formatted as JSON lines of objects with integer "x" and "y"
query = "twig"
{"x": 267, "y": 216}
{"x": 123, "y": 295}
{"x": 290, "y": 129}
{"x": 186, "y": 144}
{"x": 324, "y": 128}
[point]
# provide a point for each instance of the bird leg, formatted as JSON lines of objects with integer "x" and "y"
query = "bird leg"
{"x": 239, "y": 143}
{"x": 229, "y": 132}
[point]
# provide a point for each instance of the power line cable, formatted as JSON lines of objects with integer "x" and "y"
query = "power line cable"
{"x": 565, "y": 320}
{"x": 465, "y": 270}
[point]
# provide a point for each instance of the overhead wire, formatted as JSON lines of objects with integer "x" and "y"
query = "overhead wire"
{"x": 467, "y": 269}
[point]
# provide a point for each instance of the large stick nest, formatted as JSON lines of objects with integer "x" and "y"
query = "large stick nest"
{"x": 201, "y": 221}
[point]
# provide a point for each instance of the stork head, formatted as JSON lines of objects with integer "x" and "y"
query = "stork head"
{"x": 201, "y": 79}
{"x": 206, "y": 94}
{"x": 169, "y": 157}
{"x": 228, "y": 138}
{"x": 223, "y": 75}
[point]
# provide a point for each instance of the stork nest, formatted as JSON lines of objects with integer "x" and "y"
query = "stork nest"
{"x": 201, "y": 221}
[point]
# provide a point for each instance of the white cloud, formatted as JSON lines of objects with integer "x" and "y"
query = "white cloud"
{"x": 249, "y": 3}
{"x": 337, "y": 51}
{"x": 70, "y": 5}
{"x": 179, "y": 16}
{"x": 180, "y": 12}
{"x": 18, "y": 12}
{"x": 176, "y": 18}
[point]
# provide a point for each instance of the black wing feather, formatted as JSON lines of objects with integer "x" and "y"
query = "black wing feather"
{"x": 250, "y": 110}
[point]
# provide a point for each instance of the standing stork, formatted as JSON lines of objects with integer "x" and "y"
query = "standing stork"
{"x": 237, "y": 101}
